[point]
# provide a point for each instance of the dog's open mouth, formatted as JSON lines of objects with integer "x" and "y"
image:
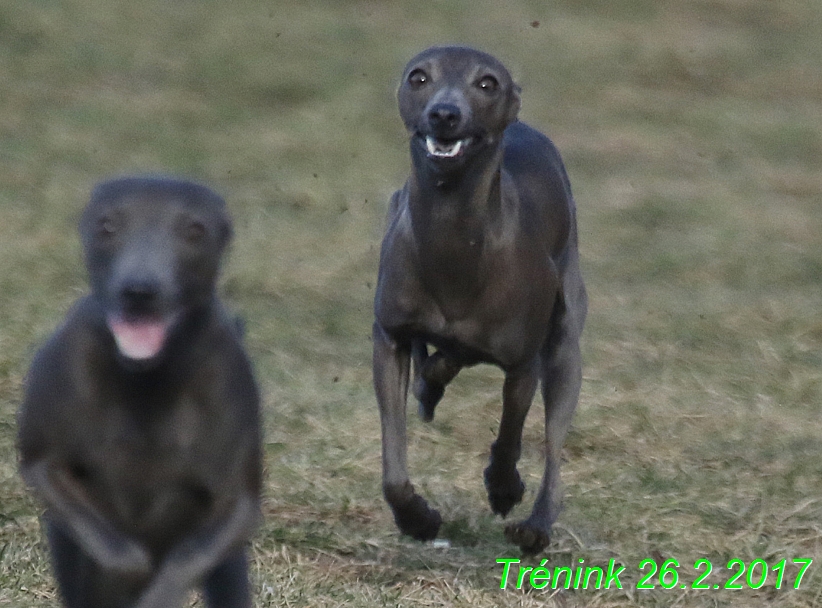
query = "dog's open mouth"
{"x": 139, "y": 339}
{"x": 442, "y": 148}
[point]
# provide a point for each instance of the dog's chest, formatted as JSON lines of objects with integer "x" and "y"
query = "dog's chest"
{"x": 486, "y": 329}
{"x": 154, "y": 433}
{"x": 146, "y": 467}
{"x": 500, "y": 316}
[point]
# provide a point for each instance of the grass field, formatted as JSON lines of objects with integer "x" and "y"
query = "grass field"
{"x": 692, "y": 132}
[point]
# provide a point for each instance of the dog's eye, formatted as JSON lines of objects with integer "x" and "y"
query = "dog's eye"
{"x": 488, "y": 84}
{"x": 417, "y": 78}
{"x": 194, "y": 231}
{"x": 106, "y": 227}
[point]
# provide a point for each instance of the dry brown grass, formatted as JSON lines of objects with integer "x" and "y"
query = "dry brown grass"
{"x": 692, "y": 132}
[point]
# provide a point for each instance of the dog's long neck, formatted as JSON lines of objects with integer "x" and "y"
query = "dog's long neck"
{"x": 453, "y": 214}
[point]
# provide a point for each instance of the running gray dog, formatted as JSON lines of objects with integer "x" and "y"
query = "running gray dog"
{"x": 140, "y": 426}
{"x": 479, "y": 261}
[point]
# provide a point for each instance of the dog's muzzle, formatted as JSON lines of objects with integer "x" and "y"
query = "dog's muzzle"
{"x": 138, "y": 321}
{"x": 439, "y": 148}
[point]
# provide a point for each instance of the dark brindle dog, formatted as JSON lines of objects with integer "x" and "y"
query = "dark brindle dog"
{"x": 480, "y": 262}
{"x": 140, "y": 427}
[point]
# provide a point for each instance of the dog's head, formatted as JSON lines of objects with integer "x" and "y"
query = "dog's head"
{"x": 456, "y": 102}
{"x": 152, "y": 248}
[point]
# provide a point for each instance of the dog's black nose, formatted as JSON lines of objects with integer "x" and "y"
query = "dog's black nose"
{"x": 444, "y": 117}
{"x": 139, "y": 295}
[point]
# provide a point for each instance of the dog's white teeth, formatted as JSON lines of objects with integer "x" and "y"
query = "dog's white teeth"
{"x": 434, "y": 147}
{"x": 442, "y": 149}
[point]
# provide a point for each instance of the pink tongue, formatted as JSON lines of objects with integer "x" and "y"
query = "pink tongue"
{"x": 138, "y": 339}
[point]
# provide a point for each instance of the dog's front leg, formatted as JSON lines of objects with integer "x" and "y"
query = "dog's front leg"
{"x": 505, "y": 488}
{"x": 412, "y": 514}
{"x": 68, "y": 504}
{"x": 561, "y": 373}
{"x": 196, "y": 557}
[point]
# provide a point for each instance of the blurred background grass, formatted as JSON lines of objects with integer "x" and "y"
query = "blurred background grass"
{"x": 692, "y": 132}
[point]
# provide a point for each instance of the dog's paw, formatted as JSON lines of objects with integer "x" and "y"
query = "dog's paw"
{"x": 130, "y": 561}
{"x": 504, "y": 491}
{"x": 416, "y": 519}
{"x": 530, "y": 537}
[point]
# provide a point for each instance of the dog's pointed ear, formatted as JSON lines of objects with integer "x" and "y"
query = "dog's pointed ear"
{"x": 515, "y": 102}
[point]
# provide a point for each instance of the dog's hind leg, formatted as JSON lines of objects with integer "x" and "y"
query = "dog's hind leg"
{"x": 83, "y": 582}
{"x": 561, "y": 371}
{"x": 412, "y": 514}
{"x": 431, "y": 375}
{"x": 227, "y": 585}
{"x": 73, "y": 569}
